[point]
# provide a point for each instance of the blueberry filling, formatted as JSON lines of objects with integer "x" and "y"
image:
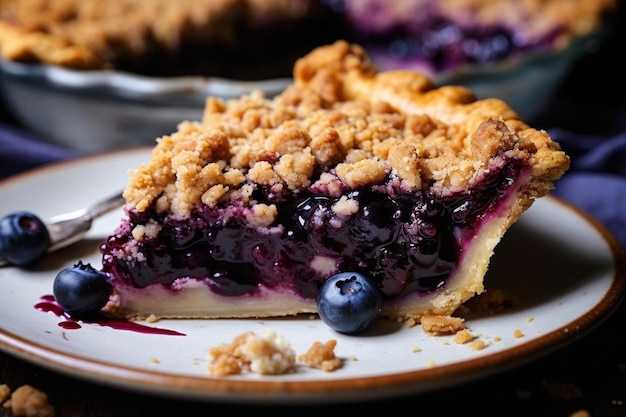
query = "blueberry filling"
{"x": 406, "y": 242}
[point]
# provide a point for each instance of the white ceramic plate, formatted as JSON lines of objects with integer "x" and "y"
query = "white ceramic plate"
{"x": 566, "y": 271}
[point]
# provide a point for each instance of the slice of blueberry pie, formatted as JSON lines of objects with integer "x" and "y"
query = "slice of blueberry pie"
{"x": 249, "y": 211}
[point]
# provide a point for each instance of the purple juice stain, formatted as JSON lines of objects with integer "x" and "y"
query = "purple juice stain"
{"x": 48, "y": 304}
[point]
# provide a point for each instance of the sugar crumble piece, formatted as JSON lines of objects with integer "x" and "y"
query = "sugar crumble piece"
{"x": 441, "y": 324}
{"x": 152, "y": 319}
{"x": 410, "y": 322}
{"x": 265, "y": 354}
{"x": 5, "y": 392}
{"x": 518, "y": 333}
{"x": 478, "y": 345}
{"x": 322, "y": 356}
{"x": 26, "y": 401}
{"x": 463, "y": 336}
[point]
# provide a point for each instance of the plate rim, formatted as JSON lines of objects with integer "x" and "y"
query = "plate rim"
{"x": 316, "y": 390}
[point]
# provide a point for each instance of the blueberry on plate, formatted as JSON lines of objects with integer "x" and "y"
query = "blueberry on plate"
{"x": 348, "y": 302}
{"x": 81, "y": 289}
{"x": 24, "y": 238}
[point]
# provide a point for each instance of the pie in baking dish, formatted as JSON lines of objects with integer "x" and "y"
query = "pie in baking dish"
{"x": 244, "y": 39}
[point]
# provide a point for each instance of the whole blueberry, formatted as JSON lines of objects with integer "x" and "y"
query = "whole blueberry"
{"x": 24, "y": 238}
{"x": 81, "y": 289}
{"x": 348, "y": 302}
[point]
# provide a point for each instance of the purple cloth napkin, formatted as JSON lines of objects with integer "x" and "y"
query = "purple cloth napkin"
{"x": 21, "y": 151}
{"x": 596, "y": 181}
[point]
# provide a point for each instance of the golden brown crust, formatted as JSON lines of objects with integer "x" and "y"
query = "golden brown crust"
{"x": 17, "y": 44}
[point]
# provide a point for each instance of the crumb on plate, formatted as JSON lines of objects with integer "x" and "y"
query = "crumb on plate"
{"x": 442, "y": 324}
{"x": 268, "y": 354}
{"x": 322, "y": 356}
{"x": 26, "y": 401}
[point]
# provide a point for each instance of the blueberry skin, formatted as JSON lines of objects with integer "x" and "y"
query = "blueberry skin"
{"x": 24, "y": 238}
{"x": 81, "y": 289}
{"x": 348, "y": 302}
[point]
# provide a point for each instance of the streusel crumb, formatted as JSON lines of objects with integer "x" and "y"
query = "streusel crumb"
{"x": 268, "y": 354}
{"x": 5, "y": 392}
{"x": 322, "y": 356}
{"x": 265, "y": 354}
{"x": 442, "y": 325}
{"x": 478, "y": 345}
{"x": 26, "y": 401}
{"x": 463, "y": 336}
{"x": 152, "y": 318}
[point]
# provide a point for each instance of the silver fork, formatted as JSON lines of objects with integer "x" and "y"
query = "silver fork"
{"x": 68, "y": 228}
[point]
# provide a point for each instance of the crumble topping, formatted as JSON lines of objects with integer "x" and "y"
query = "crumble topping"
{"x": 343, "y": 118}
